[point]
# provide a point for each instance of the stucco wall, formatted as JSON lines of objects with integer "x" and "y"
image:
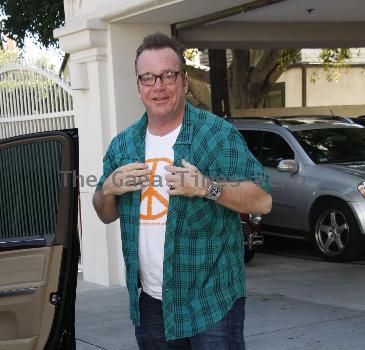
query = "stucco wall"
{"x": 293, "y": 87}
{"x": 125, "y": 39}
{"x": 348, "y": 90}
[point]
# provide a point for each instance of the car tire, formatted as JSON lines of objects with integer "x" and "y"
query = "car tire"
{"x": 249, "y": 254}
{"x": 336, "y": 233}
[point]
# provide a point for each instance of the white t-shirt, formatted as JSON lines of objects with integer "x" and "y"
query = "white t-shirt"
{"x": 153, "y": 213}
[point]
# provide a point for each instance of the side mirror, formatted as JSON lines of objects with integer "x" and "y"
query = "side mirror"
{"x": 288, "y": 166}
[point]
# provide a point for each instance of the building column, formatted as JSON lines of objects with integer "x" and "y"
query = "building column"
{"x": 106, "y": 100}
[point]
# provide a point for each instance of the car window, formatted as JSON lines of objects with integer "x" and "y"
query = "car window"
{"x": 253, "y": 139}
{"x": 274, "y": 149}
{"x": 29, "y": 183}
{"x": 336, "y": 145}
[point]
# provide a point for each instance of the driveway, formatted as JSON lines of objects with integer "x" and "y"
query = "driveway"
{"x": 293, "y": 304}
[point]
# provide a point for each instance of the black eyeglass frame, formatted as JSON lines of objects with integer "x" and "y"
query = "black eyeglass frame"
{"x": 176, "y": 72}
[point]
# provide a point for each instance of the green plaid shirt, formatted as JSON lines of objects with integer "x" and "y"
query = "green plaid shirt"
{"x": 203, "y": 268}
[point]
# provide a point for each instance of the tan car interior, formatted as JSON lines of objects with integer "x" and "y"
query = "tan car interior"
{"x": 27, "y": 278}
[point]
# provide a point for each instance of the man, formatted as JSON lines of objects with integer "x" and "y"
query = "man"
{"x": 177, "y": 180}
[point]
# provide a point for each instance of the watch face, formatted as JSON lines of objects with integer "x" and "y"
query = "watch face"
{"x": 214, "y": 191}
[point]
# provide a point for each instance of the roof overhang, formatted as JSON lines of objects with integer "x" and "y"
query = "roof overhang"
{"x": 237, "y": 35}
{"x": 260, "y": 23}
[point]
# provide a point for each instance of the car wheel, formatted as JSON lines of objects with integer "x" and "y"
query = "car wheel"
{"x": 249, "y": 254}
{"x": 336, "y": 233}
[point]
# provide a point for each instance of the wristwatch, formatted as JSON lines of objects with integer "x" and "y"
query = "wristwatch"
{"x": 214, "y": 190}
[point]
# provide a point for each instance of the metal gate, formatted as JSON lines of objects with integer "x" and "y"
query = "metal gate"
{"x": 32, "y": 100}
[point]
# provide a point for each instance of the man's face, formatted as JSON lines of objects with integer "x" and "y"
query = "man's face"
{"x": 162, "y": 101}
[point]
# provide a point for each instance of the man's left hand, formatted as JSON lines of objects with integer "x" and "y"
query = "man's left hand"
{"x": 186, "y": 180}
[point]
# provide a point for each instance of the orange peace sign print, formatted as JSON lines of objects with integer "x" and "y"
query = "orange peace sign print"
{"x": 151, "y": 195}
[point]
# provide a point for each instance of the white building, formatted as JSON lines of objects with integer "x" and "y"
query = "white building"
{"x": 308, "y": 84}
{"x": 102, "y": 37}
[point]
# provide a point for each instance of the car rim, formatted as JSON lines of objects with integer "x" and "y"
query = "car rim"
{"x": 332, "y": 232}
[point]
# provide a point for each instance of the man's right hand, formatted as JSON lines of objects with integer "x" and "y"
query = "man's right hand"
{"x": 127, "y": 178}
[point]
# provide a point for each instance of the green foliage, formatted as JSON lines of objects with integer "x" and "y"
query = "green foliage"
{"x": 190, "y": 54}
{"x": 289, "y": 56}
{"x": 38, "y": 18}
{"x": 33, "y": 89}
{"x": 14, "y": 82}
{"x": 335, "y": 56}
{"x": 9, "y": 57}
{"x": 335, "y": 61}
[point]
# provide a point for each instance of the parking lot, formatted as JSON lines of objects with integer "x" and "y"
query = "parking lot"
{"x": 295, "y": 302}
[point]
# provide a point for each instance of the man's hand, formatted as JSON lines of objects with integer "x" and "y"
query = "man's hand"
{"x": 240, "y": 196}
{"x": 186, "y": 181}
{"x": 127, "y": 178}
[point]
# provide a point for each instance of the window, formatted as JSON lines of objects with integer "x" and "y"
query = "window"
{"x": 337, "y": 145}
{"x": 253, "y": 139}
{"x": 275, "y": 97}
{"x": 274, "y": 149}
{"x": 29, "y": 184}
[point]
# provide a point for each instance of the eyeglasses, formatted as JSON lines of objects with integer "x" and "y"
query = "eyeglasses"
{"x": 168, "y": 77}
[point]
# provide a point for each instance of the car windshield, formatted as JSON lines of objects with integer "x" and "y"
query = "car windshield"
{"x": 337, "y": 145}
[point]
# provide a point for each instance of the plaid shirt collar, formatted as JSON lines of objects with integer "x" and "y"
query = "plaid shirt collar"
{"x": 184, "y": 138}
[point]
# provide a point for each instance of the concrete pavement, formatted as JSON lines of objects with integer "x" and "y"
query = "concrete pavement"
{"x": 292, "y": 304}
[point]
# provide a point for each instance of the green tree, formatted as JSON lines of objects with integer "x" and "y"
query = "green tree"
{"x": 38, "y": 18}
{"x": 9, "y": 57}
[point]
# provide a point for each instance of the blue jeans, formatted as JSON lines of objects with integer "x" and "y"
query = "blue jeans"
{"x": 227, "y": 334}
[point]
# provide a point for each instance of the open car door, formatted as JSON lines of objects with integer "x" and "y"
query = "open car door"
{"x": 39, "y": 247}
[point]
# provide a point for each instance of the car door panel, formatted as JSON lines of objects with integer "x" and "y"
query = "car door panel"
{"x": 38, "y": 241}
{"x": 29, "y": 277}
{"x": 287, "y": 188}
{"x": 21, "y": 344}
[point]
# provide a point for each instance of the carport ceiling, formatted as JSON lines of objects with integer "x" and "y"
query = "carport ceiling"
{"x": 263, "y": 23}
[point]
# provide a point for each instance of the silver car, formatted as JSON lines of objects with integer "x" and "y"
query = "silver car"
{"x": 317, "y": 170}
